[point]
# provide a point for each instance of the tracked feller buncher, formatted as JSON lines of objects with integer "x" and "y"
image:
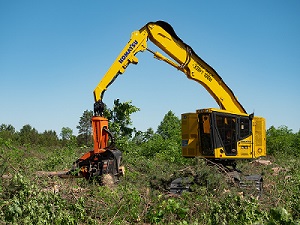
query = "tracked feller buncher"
{"x": 221, "y": 136}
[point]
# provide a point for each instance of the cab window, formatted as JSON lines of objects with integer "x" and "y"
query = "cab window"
{"x": 245, "y": 127}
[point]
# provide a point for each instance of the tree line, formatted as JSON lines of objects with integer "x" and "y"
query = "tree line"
{"x": 120, "y": 124}
{"x": 28, "y": 135}
{"x": 167, "y": 137}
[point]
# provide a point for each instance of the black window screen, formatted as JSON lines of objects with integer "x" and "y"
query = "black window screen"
{"x": 227, "y": 126}
{"x": 245, "y": 127}
{"x": 205, "y": 135}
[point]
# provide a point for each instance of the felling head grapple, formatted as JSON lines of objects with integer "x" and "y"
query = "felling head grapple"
{"x": 104, "y": 159}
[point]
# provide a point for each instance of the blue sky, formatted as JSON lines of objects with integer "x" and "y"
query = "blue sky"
{"x": 54, "y": 53}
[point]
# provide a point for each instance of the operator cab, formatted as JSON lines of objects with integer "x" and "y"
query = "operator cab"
{"x": 216, "y": 134}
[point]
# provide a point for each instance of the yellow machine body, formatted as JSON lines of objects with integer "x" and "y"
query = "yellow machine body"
{"x": 218, "y": 134}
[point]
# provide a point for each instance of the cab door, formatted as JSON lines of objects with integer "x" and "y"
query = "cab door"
{"x": 225, "y": 132}
{"x": 205, "y": 134}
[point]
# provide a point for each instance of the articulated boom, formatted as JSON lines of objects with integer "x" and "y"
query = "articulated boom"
{"x": 186, "y": 60}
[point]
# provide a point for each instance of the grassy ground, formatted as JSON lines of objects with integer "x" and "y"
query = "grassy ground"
{"x": 142, "y": 196}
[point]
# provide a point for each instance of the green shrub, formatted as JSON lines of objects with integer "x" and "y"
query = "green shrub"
{"x": 167, "y": 211}
{"x": 25, "y": 203}
{"x": 282, "y": 141}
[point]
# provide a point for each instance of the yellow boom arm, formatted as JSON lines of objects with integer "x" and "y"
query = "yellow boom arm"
{"x": 185, "y": 60}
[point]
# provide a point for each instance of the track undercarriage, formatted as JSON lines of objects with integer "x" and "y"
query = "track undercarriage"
{"x": 253, "y": 183}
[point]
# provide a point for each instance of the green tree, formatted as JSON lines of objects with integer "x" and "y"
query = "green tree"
{"x": 67, "y": 137}
{"x": 296, "y": 143}
{"x": 48, "y": 138}
{"x": 7, "y": 132}
{"x": 280, "y": 140}
{"x": 142, "y": 137}
{"x": 170, "y": 127}
{"x": 85, "y": 128}
{"x": 28, "y": 135}
{"x": 166, "y": 142}
{"x": 66, "y": 133}
{"x": 120, "y": 118}
{"x": 9, "y": 128}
